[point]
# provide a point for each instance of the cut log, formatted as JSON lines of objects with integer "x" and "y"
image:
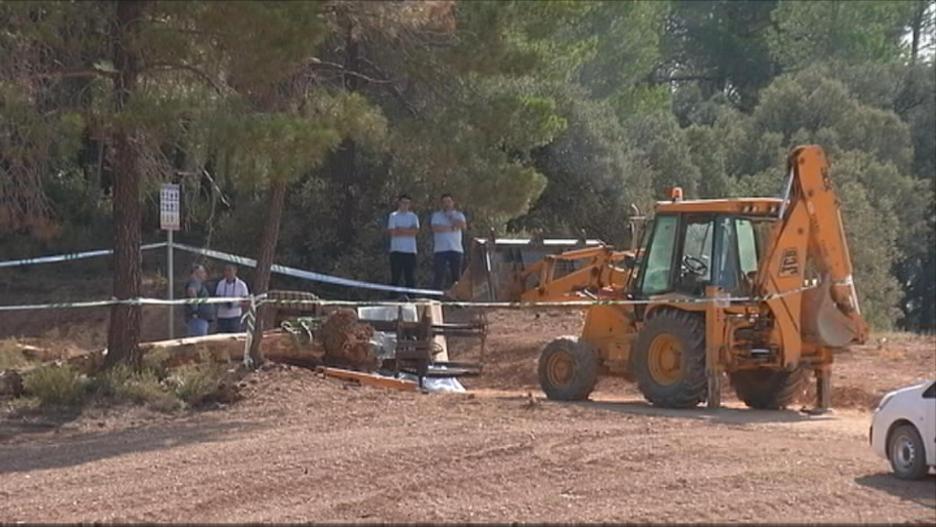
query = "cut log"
{"x": 347, "y": 341}
{"x": 278, "y": 346}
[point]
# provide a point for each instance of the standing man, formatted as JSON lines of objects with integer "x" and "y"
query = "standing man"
{"x": 447, "y": 226}
{"x": 229, "y": 314}
{"x": 403, "y": 226}
{"x": 197, "y": 316}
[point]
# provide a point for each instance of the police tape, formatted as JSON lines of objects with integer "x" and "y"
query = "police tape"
{"x": 307, "y": 275}
{"x": 71, "y": 256}
{"x": 258, "y": 300}
{"x": 264, "y": 299}
{"x": 140, "y": 301}
{"x": 233, "y": 258}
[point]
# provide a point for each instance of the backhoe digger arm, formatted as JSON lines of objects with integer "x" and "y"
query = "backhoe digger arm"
{"x": 596, "y": 270}
{"x": 598, "y": 273}
{"x": 828, "y": 232}
{"x": 810, "y": 227}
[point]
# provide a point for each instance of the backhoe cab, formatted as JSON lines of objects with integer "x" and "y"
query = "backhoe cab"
{"x": 759, "y": 289}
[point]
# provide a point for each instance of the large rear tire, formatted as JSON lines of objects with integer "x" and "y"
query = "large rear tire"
{"x": 568, "y": 369}
{"x": 768, "y": 389}
{"x": 669, "y": 359}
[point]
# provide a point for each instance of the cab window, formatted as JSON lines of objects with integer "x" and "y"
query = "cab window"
{"x": 747, "y": 245}
{"x": 695, "y": 269}
{"x": 697, "y": 249}
{"x": 659, "y": 260}
{"x": 727, "y": 272}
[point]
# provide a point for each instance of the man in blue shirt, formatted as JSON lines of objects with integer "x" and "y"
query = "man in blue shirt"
{"x": 403, "y": 225}
{"x": 447, "y": 226}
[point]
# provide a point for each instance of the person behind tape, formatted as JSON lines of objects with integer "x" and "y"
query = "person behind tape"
{"x": 229, "y": 314}
{"x": 403, "y": 225}
{"x": 198, "y": 316}
{"x": 447, "y": 226}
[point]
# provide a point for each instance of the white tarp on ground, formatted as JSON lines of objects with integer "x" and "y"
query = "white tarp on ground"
{"x": 385, "y": 342}
{"x": 437, "y": 384}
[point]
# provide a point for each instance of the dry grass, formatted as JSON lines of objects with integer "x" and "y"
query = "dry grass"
{"x": 123, "y": 384}
{"x": 197, "y": 383}
{"x": 56, "y": 385}
{"x": 12, "y": 356}
{"x": 153, "y": 386}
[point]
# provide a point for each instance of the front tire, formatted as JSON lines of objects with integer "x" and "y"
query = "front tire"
{"x": 568, "y": 369}
{"x": 767, "y": 389}
{"x": 905, "y": 452}
{"x": 669, "y": 359}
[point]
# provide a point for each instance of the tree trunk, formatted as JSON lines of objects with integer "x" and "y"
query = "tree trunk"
{"x": 916, "y": 30}
{"x": 123, "y": 336}
{"x": 347, "y": 152}
{"x": 347, "y": 172}
{"x": 265, "y": 261}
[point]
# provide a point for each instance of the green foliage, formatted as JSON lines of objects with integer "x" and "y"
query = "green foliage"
{"x": 539, "y": 116}
{"x": 55, "y": 385}
{"x": 722, "y": 46}
{"x": 858, "y": 31}
{"x": 869, "y": 150}
{"x": 626, "y": 37}
{"x": 196, "y": 383}
{"x": 143, "y": 386}
{"x": 661, "y": 145}
{"x": 478, "y": 151}
{"x": 871, "y": 227}
{"x": 591, "y": 179}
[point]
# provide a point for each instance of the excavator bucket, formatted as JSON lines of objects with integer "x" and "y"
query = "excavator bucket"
{"x": 495, "y": 266}
{"x": 823, "y": 319}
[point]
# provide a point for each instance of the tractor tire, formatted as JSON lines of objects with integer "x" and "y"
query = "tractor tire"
{"x": 568, "y": 369}
{"x": 767, "y": 389}
{"x": 669, "y": 359}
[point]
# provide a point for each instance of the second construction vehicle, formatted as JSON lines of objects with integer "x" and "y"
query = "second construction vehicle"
{"x": 759, "y": 289}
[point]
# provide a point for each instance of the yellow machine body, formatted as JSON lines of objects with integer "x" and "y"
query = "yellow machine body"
{"x": 763, "y": 284}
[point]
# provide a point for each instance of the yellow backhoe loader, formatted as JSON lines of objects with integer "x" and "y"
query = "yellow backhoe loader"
{"x": 759, "y": 289}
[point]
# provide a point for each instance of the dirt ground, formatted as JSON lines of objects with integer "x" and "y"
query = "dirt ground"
{"x": 301, "y": 448}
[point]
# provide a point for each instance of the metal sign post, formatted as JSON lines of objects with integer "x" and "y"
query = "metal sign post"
{"x": 169, "y": 220}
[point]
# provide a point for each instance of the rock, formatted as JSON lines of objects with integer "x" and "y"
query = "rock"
{"x": 11, "y": 384}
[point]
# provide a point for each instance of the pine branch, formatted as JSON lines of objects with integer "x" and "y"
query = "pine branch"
{"x": 316, "y": 62}
{"x": 164, "y": 66}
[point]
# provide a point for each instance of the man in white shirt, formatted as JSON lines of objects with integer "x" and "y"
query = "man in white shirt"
{"x": 229, "y": 314}
{"x": 403, "y": 225}
{"x": 447, "y": 226}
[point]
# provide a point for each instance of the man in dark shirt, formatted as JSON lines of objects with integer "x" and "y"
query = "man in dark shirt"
{"x": 197, "y": 316}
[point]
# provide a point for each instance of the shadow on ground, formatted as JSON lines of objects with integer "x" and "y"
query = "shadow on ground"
{"x": 93, "y": 446}
{"x": 921, "y": 492}
{"x": 23, "y": 423}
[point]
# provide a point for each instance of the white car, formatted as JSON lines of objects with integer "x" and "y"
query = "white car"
{"x": 903, "y": 430}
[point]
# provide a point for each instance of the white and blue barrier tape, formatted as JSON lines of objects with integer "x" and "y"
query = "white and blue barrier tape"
{"x": 258, "y": 300}
{"x": 306, "y": 275}
{"x": 142, "y": 301}
{"x": 233, "y": 258}
{"x": 71, "y": 256}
